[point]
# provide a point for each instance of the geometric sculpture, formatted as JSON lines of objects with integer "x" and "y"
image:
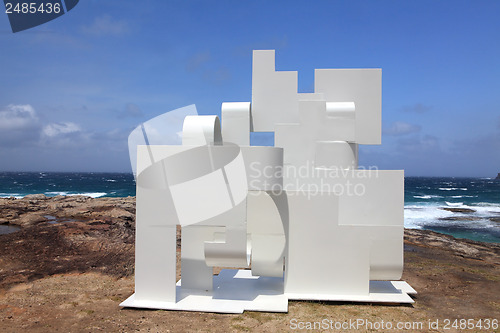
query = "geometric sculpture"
{"x": 299, "y": 220}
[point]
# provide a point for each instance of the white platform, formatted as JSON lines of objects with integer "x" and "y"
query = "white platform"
{"x": 236, "y": 291}
{"x": 380, "y": 292}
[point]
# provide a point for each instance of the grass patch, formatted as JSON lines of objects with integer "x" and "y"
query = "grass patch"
{"x": 241, "y": 328}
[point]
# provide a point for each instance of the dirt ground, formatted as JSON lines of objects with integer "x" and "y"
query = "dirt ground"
{"x": 72, "y": 276}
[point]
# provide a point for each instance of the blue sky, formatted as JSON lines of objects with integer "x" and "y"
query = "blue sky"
{"x": 71, "y": 90}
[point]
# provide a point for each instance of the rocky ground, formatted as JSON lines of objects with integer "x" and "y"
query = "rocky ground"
{"x": 71, "y": 264}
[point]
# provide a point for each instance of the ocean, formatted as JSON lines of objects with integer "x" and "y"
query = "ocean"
{"x": 92, "y": 184}
{"x": 474, "y": 202}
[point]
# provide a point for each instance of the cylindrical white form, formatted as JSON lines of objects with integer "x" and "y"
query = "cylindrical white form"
{"x": 340, "y": 109}
{"x": 236, "y": 123}
{"x": 201, "y": 130}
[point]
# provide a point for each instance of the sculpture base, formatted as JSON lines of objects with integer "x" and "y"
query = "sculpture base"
{"x": 236, "y": 291}
{"x": 380, "y": 292}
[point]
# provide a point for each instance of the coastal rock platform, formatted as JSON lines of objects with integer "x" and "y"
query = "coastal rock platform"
{"x": 71, "y": 263}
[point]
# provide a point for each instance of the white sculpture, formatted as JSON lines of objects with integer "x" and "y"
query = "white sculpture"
{"x": 300, "y": 218}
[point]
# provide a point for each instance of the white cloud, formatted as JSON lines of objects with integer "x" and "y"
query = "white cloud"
{"x": 401, "y": 128}
{"x": 18, "y": 117}
{"x": 106, "y": 25}
{"x": 56, "y": 129}
{"x": 19, "y": 125}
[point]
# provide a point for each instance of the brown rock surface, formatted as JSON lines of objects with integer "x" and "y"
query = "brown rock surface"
{"x": 34, "y": 209}
{"x": 70, "y": 272}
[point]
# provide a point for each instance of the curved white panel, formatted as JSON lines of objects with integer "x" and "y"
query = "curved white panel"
{"x": 201, "y": 130}
{"x": 267, "y": 233}
{"x": 268, "y": 255}
{"x": 341, "y": 109}
{"x": 236, "y": 123}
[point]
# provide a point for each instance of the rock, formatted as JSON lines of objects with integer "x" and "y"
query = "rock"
{"x": 29, "y": 219}
{"x": 495, "y": 219}
{"x": 462, "y": 247}
{"x": 457, "y": 218}
{"x": 498, "y": 176}
{"x": 33, "y": 209}
{"x": 35, "y": 197}
{"x": 458, "y": 210}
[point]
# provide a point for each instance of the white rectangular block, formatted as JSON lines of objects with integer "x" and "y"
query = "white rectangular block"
{"x": 274, "y": 94}
{"x": 323, "y": 257}
{"x": 361, "y": 86}
{"x": 155, "y": 262}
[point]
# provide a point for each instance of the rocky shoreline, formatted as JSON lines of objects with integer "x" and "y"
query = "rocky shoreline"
{"x": 85, "y": 246}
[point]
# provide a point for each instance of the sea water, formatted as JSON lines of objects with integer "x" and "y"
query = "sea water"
{"x": 477, "y": 198}
{"x": 95, "y": 185}
{"x": 425, "y": 198}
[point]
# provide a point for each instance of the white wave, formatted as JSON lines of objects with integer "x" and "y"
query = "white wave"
{"x": 111, "y": 180}
{"x": 454, "y": 204}
{"x": 463, "y": 196}
{"x": 87, "y": 194}
{"x": 56, "y": 193}
{"x": 90, "y": 194}
{"x": 416, "y": 216}
{"x": 486, "y": 210}
{"x": 52, "y": 194}
{"x": 453, "y": 188}
{"x": 425, "y": 215}
{"x": 427, "y": 196}
{"x": 486, "y": 204}
{"x": 11, "y": 195}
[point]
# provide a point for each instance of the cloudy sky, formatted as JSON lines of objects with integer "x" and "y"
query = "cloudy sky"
{"x": 71, "y": 90}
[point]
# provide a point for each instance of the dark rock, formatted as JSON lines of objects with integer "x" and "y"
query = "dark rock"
{"x": 459, "y": 210}
{"x": 457, "y": 218}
